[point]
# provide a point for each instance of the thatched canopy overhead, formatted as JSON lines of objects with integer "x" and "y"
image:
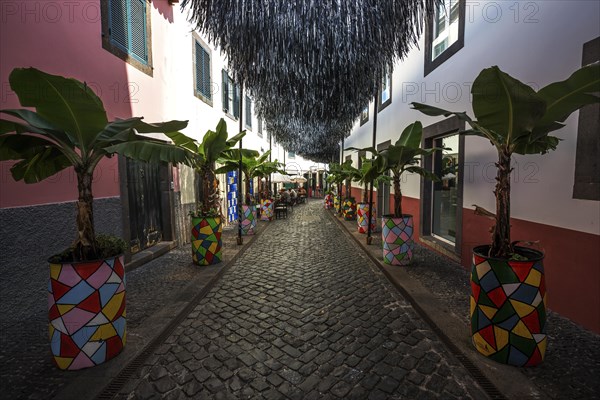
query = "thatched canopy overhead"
{"x": 314, "y": 63}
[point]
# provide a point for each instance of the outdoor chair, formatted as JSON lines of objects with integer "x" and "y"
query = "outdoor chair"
{"x": 281, "y": 209}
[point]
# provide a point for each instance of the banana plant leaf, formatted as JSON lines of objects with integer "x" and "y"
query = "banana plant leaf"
{"x": 517, "y": 119}
{"x": 511, "y": 114}
{"x": 69, "y": 128}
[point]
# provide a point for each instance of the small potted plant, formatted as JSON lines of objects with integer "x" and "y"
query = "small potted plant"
{"x": 69, "y": 128}
{"x": 368, "y": 173}
{"x": 508, "y": 311}
{"x": 207, "y": 226}
{"x": 329, "y": 200}
{"x": 338, "y": 173}
{"x": 350, "y": 174}
{"x": 397, "y": 228}
{"x": 402, "y": 156}
{"x": 333, "y": 179}
{"x": 267, "y": 204}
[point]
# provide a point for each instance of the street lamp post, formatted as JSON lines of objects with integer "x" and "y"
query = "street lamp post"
{"x": 369, "y": 237}
{"x": 340, "y": 183}
{"x": 240, "y": 240}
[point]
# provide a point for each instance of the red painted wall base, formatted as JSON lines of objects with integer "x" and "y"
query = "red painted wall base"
{"x": 571, "y": 264}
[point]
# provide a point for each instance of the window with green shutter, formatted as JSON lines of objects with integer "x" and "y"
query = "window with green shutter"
{"x": 127, "y": 27}
{"x": 230, "y": 96}
{"x": 248, "y": 112}
{"x": 126, "y": 31}
{"x": 236, "y": 100}
{"x": 202, "y": 71}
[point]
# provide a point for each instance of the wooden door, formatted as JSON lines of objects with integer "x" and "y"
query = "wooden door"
{"x": 145, "y": 215}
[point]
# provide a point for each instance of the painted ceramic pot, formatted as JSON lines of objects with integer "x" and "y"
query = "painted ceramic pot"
{"x": 86, "y": 311}
{"x": 266, "y": 210}
{"x": 248, "y": 220}
{"x": 363, "y": 216}
{"x": 508, "y": 307}
{"x": 206, "y": 240}
{"x": 349, "y": 209}
{"x": 397, "y": 237}
{"x": 328, "y": 201}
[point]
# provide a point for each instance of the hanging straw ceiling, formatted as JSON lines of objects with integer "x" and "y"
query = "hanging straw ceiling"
{"x": 311, "y": 65}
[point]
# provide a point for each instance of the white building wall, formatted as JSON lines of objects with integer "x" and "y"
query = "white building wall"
{"x": 538, "y": 44}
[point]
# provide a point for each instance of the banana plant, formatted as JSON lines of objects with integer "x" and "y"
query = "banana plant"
{"x": 266, "y": 169}
{"x": 402, "y": 156}
{"x": 253, "y": 166}
{"x": 368, "y": 173}
{"x": 338, "y": 173}
{"x": 351, "y": 174}
{"x": 69, "y": 128}
{"x": 517, "y": 120}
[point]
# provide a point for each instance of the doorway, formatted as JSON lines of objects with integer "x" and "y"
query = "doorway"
{"x": 445, "y": 192}
{"x": 145, "y": 211}
{"x": 442, "y": 201}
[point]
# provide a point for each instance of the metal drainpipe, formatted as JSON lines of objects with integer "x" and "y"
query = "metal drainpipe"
{"x": 240, "y": 240}
{"x": 369, "y": 238}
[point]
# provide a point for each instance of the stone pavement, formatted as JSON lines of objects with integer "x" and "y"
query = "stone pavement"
{"x": 302, "y": 314}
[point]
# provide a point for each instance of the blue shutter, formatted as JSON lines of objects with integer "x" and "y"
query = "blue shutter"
{"x": 127, "y": 27}
{"x": 248, "y": 112}
{"x": 118, "y": 23}
{"x": 206, "y": 89}
{"x": 203, "y": 71}
{"x": 137, "y": 27}
{"x": 236, "y": 100}
{"x": 225, "y": 90}
{"x": 198, "y": 71}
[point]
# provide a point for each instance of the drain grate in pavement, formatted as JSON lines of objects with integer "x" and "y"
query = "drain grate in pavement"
{"x": 486, "y": 385}
{"x": 117, "y": 383}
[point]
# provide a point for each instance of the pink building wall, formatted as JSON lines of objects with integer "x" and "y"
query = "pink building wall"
{"x": 60, "y": 38}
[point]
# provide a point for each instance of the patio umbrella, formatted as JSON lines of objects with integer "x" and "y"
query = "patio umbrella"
{"x": 281, "y": 178}
{"x": 298, "y": 179}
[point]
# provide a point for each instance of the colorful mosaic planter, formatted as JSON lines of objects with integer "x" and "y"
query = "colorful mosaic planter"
{"x": 363, "y": 215}
{"x": 336, "y": 203}
{"x": 328, "y": 201}
{"x": 266, "y": 210}
{"x": 397, "y": 239}
{"x": 248, "y": 220}
{"x": 508, "y": 307}
{"x": 349, "y": 209}
{"x": 206, "y": 240}
{"x": 86, "y": 310}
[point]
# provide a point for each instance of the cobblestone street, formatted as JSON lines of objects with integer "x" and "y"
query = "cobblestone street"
{"x": 302, "y": 314}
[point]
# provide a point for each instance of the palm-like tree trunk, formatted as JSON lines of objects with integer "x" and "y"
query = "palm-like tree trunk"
{"x": 209, "y": 188}
{"x": 397, "y": 197}
{"x": 501, "y": 233}
{"x": 340, "y": 187}
{"x": 85, "y": 245}
{"x": 248, "y": 198}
